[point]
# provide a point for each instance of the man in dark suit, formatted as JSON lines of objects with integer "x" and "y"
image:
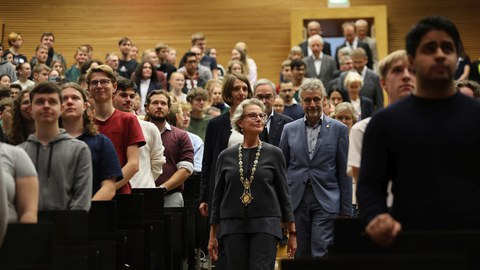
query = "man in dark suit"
{"x": 352, "y": 41}
{"x": 319, "y": 65}
{"x": 314, "y": 28}
{"x": 315, "y": 149}
{"x": 264, "y": 90}
{"x": 371, "y": 82}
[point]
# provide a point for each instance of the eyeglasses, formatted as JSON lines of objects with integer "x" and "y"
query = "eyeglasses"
{"x": 262, "y": 97}
{"x": 102, "y": 83}
{"x": 254, "y": 116}
{"x": 315, "y": 100}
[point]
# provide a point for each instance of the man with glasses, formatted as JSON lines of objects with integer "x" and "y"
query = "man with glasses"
{"x": 192, "y": 71}
{"x": 292, "y": 108}
{"x": 204, "y": 72}
{"x": 315, "y": 149}
{"x": 120, "y": 127}
{"x": 264, "y": 90}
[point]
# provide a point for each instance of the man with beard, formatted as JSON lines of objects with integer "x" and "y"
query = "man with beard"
{"x": 178, "y": 149}
{"x": 427, "y": 144}
{"x": 315, "y": 149}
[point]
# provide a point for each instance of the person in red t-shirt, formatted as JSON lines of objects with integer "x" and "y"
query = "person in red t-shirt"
{"x": 121, "y": 128}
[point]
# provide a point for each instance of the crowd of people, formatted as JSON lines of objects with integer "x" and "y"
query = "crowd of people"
{"x": 275, "y": 161}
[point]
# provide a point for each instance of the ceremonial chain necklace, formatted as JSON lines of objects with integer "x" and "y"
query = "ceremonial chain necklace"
{"x": 246, "y": 197}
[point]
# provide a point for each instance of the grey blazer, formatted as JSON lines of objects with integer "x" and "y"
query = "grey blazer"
{"x": 328, "y": 67}
{"x": 327, "y": 170}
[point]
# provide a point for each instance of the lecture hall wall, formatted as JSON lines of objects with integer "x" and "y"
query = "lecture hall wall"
{"x": 263, "y": 25}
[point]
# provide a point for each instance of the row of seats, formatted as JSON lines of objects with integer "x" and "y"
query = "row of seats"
{"x": 130, "y": 232}
{"x": 411, "y": 250}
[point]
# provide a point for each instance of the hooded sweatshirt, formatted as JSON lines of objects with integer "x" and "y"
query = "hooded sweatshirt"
{"x": 9, "y": 69}
{"x": 64, "y": 170}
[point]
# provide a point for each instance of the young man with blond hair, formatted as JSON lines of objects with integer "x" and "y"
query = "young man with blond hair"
{"x": 80, "y": 56}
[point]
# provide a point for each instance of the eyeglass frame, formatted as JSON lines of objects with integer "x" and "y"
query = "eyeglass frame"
{"x": 253, "y": 116}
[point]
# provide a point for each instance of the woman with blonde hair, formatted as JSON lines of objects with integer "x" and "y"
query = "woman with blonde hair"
{"x": 345, "y": 113}
{"x": 363, "y": 106}
{"x": 250, "y": 63}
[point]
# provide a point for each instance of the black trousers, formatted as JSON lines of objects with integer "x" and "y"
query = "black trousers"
{"x": 252, "y": 251}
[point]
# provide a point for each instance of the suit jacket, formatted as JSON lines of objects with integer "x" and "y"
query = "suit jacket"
{"x": 216, "y": 140}
{"x": 371, "y": 88}
{"x": 277, "y": 121}
{"x": 327, "y": 68}
{"x": 326, "y": 48}
{"x": 152, "y": 86}
{"x": 362, "y": 45}
{"x": 366, "y": 107}
{"x": 327, "y": 170}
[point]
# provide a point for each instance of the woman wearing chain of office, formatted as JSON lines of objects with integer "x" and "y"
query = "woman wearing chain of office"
{"x": 251, "y": 197}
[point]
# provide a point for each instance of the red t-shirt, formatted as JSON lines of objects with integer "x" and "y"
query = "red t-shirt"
{"x": 123, "y": 129}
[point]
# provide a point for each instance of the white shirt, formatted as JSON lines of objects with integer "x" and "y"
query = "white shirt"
{"x": 144, "y": 84}
{"x": 318, "y": 63}
{"x": 151, "y": 157}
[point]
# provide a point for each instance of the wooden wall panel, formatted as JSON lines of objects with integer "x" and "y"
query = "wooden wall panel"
{"x": 263, "y": 25}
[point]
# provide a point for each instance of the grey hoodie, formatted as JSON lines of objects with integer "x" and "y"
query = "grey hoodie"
{"x": 64, "y": 168}
{"x": 9, "y": 69}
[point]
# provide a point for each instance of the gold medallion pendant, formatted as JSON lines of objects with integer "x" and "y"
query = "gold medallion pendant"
{"x": 246, "y": 198}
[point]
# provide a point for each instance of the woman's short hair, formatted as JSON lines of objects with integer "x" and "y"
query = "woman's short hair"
{"x": 228, "y": 83}
{"x": 238, "y": 114}
{"x": 351, "y": 78}
{"x": 345, "y": 107}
